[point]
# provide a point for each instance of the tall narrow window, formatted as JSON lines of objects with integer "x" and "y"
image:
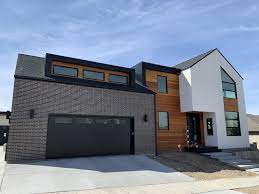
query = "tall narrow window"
{"x": 232, "y": 124}
{"x": 228, "y": 85}
{"x": 209, "y": 126}
{"x": 66, "y": 71}
{"x": 161, "y": 84}
{"x": 163, "y": 120}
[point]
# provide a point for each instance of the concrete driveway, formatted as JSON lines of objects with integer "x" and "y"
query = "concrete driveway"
{"x": 86, "y": 173}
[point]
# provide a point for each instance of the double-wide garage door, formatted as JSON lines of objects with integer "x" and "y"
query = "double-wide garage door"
{"x": 74, "y": 136}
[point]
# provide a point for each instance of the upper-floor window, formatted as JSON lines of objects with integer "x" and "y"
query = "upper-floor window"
{"x": 228, "y": 85}
{"x": 161, "y": 84}
{"x": 66, "y": 71}
{"x": 232, "y": 124}
{"x": 93, "y": 75}
{"x": 119, "y": 79}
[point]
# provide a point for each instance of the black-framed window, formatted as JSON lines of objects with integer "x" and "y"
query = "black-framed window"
{"x": 119, "y": 79}
{"x": 161, "y": 84}
{"x": 66, "y": 71}
{"x": 94, "y": 75}
{"x": 228, "y": 85}
{"x": 232, "y": 124}
{"x": 163, "y": 120}
{"x": 209, "y": 126}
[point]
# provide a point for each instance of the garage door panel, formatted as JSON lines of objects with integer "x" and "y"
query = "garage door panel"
{"x": 88, "y": 136}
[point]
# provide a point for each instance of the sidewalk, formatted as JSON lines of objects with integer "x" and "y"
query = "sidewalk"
{"x": 223, "y": 185}
{"x": 2, "y": 164}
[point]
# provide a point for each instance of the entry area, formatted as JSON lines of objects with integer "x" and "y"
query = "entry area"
{"x": 76, "y": 135}
{"x": 194, "y": 128}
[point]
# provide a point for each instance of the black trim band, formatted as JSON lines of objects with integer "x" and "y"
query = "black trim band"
{"x": 90, "y": 83}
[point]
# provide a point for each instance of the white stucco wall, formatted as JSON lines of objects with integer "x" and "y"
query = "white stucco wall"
{"x": 185, "y": 91}
{"x": 206, "y": 96}
{"x": 210, "y": 140}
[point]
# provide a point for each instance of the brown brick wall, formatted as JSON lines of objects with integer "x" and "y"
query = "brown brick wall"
{"x": 27, "y": 137}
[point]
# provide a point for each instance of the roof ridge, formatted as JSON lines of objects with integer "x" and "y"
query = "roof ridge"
{"x": 192, "y": 61}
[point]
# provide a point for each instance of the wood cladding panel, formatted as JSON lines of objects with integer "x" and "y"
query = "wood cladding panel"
{"x": 231, "y": 104}
{"x": 81, "y": 69}
{"x": 170, "y": 102}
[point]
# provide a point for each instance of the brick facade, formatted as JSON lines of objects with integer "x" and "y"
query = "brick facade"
{"x": 28, "y": 137}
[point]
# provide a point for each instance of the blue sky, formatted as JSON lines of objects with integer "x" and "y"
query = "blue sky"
{"x": 125, "y": 32}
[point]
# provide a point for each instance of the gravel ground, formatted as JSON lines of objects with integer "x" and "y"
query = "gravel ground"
{"x": 199, "y": 167}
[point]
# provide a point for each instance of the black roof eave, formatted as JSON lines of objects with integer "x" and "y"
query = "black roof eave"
{"x": 156, "y": 67}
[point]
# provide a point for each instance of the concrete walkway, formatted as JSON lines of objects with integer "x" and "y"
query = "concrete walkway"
{"x": 2, "y": 164}
{"x": 234, "y": 161}
{"x": 222, "y": 186}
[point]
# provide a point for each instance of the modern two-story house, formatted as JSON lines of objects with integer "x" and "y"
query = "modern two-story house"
{"x": 67, "y": 107}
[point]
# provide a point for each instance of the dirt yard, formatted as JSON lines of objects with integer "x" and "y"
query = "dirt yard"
{"x": 198, "y": 166}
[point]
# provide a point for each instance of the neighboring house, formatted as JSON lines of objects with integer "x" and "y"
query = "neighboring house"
{"x": 4, "y": 126}
{"x": 253, "y": 128}
{"x": 4, "y": 121}
{"x": 65, "y": 107}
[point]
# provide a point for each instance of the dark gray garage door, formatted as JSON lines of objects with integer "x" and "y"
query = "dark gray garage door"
{"x": 72, "y": 136}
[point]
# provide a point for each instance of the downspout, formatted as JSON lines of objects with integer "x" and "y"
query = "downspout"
{"x": 156, "y": 153}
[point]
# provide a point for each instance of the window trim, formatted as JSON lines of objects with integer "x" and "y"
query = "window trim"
{"x": 53, "y": 71}
{"x": 166, "y": 92}
{"x": 211, "y": 120}
{"x": 93, "y": 72}
{"x": 238, "y": 121}
{"x": 118, "y": 82}
{"x": 163, "y": 129}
